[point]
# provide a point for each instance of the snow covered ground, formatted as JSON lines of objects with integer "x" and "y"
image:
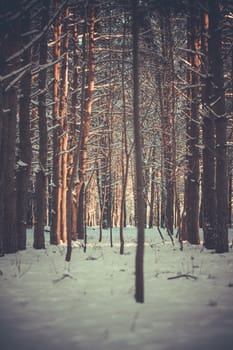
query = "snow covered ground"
{"x": 94, "y": 307}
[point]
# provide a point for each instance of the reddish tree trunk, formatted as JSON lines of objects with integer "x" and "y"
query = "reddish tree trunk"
{"x": 55, "y": 234}
{"x": 63, "y": 137}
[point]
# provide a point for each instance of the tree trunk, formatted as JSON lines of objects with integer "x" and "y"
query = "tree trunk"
{"x": 73, "y": 158}
{"x": 152, "y": 198}
{"x": 167, "y": 115}
{"x": 71, "y": 235}
{"x": 217, "y": 103}
{"x": 146, "y": 191}
{"x": 124, "y": 152}
{"x": 86, "y": 119}
{"x": 208, "y": 176}
{"x": 63, "y": 137}
{"x": 41, "y": 175}
{"x": 10, "y": 237}
{"x": 25, "y": 149}
{"x": 191, "y": 226}
{"x": 122, "y": 209}
{"x": 140, "y": 206}
{"x": 55, "y": 234}
{"x": 10, "y": 39}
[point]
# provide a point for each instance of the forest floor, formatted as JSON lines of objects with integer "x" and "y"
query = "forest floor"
{"x": 92, "y": 306}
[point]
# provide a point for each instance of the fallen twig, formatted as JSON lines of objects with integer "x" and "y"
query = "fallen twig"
{"x": 63, "y": 277}
{"x": 183, "y": 275}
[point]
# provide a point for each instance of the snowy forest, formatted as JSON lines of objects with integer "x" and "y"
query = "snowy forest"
{"x": 116, "y": 163}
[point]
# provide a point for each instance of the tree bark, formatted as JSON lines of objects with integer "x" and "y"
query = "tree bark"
{"x": 10, "y": 31}
{"x": 152, "y": 199}
{"x": 191, "y": 200}
{"x": 86, "y": 119}
{"x": 10, "y": 237}
{"x": 41, "y": 175}
{"x": 208, "y": 176}
{"x": 55, "y": 233}
{"x": 167, "y": 115}
{"x": 140, "y": 206}
{"x": 218, "y": 109}
{"x": 73, "y": 156}
{"x": 25, "y": 148}
{"x": 63, "y": 137}
{"x": 124, "y": 153}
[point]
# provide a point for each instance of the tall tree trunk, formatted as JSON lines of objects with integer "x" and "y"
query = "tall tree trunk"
{"x": 41, "y": 175}
{"x": 10, "y": 237}
{"x": 192, "y": 177}
{"x": 71, "y": 235}
{"x": 71, "y": 201}
{"x": 63, "y": 137}
{"x": 140, "y": 206}
{"x": 110, "y": 141}
{"x": 86, "y": 119}
{"x": 124, "y": 152}
{"x": 55, "y": 233}
{"x": 217, "y": 105}
{"x": 25, "y": 149}
{"x": 167, "y": 115}
{"x": 76, "y": 225}
{"x": 10, "y": 38}
{"x": 208, "y": 176}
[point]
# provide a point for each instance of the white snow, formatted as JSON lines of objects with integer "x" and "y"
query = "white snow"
{"x": 90, "y": 304}
{"x": 21, "y": 163}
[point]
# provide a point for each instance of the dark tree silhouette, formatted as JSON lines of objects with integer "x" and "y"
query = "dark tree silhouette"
{"x": 140, "y": 206}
